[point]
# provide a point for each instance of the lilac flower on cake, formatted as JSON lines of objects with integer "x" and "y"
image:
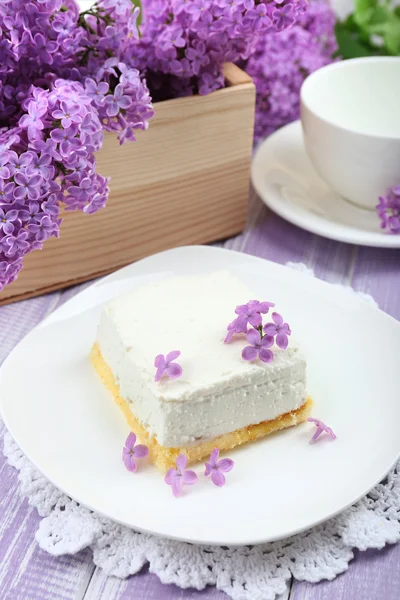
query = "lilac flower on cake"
{"x": 132, "y": 452}
{"x": 236, "y": 326}
{"x": 180, "y": 476}
{"x": 258, "y": 347}
{"x": 278, "y": 330}
{"x": 248, "y": 314}
{"x": 216, "y": 468}
{"x": 321, "y": 428}
{"x": 251, "y": 312}
{"x": 166, "y": 366}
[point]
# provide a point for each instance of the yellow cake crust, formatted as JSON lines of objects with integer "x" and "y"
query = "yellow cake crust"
{"x": 164, "y": 458}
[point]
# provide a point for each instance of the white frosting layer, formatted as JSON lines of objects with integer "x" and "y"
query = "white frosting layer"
{"x": 218, "y": 391}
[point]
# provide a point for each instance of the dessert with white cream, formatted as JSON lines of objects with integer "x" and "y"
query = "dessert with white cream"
{"x": 199, "y": 393}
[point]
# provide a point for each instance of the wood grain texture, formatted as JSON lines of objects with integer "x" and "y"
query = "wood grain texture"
{"x": 146, "y": 586}
{"x": 374, "y": 575}
{"x": 184, "y": 181}
{"x": 377, "y": 272}
{"x": 275, "y": 239}
{"x": 26, "y": 573}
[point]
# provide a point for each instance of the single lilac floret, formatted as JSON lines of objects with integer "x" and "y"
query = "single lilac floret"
{"x": 7, "y": 220}
{"x": 179, "y": 476}
{"x": 237, "y": 326}
{"x": 132, "y": 452}
{"x": 258, "y": 347}
{"x": 216, "y": 468}
{"x": 166, "y": 365}
{"x": 279, "y": 329}
{"x": 321, "y": 428}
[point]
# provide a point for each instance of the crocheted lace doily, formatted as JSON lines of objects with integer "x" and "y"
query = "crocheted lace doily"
{"x": 244, "y": 573}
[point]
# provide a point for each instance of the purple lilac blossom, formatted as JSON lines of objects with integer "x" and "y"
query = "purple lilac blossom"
{"x": 184, "y": 44}
{"x": 236, "y": 326}
{"x": 132, "y": 451}
{"x": 278, "y": 330}
{"x": 176, "y": 478}
{"x": 216, "y": 468}
{"x": 283, "y": 60}
{"x": 321, "y": 428}
{"x": 388, "y": 210}
{"x": 248, "y": 314}
{"x": 60, "y": 72}
{"x": 165, "y": 365}
{"x": 251, "y": 312}
{"x": 259, "y": 346}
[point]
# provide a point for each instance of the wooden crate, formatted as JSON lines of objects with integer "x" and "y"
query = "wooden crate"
{"x": 184, "y": 181}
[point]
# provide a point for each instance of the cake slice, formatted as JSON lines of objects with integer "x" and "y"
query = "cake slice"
{"x": 220, "y": 399}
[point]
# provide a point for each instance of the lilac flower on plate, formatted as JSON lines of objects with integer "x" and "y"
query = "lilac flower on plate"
{"x": 279, "y": 329}
{"x": 216, "y": 468}
{"x": 177, "y": 477}
{"x": 258, "y": 347}
{"x": 321, "y": 428}
{"x": 132, "y": 452}
{"x": 166, "y": 365}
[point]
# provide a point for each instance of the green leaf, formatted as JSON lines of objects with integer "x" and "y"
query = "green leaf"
{"x": 349, "y": 44}
{"x": 350, "y": 23}
{"x": 364, "y": 10}
{"x": 392, "y": 37}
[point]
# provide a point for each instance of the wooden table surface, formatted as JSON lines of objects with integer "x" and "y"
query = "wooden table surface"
{"x": 27, "y": 573}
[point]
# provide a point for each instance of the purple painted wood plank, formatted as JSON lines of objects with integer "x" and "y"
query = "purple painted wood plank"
{"x": 16, "y": 320}
{"x": 377, "y": 272}
{"x": 27, "y": 573}
{"x": 147, "y": 586}
{"x": 279, "y": 241}
{"x": 374, "y": 575}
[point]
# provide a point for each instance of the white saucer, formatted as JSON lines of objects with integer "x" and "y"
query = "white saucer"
{"x": 68, "y": 425}
{"x": 287, "y": 182}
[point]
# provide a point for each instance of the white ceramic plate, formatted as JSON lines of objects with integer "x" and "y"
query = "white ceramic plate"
{"x": 287, "y": 182}
{"x": 68, "y": 425}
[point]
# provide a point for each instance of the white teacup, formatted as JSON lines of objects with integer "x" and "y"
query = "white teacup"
{"x": 350, "y": 113}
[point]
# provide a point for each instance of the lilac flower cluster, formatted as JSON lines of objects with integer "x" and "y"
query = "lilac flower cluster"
{"x": 283, "y": 60}
{"x": 47, "y": 160}
{"x": 259, "y": 337}
{"x": 388, "y": 210}
{"x": 184, "y": 44}
{"x": 63, "y": 80}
